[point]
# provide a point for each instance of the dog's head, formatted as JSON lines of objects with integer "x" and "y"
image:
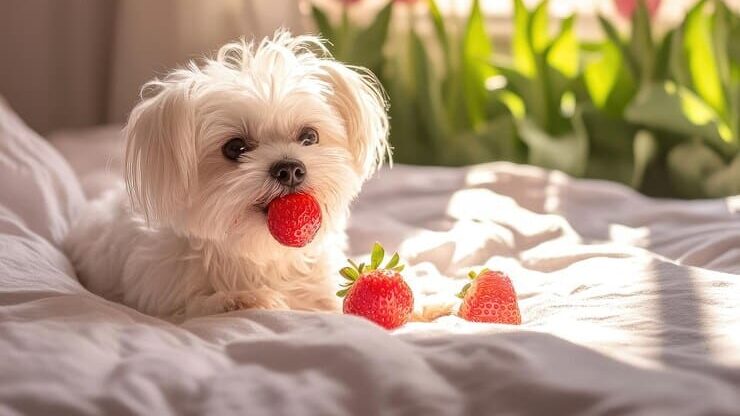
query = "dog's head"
{"x": 210, "y": 146}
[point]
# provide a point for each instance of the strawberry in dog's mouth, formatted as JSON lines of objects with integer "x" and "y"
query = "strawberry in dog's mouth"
{"x": 293, "y": 219}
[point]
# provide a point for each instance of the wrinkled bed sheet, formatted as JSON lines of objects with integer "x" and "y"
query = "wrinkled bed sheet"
{"x": 630, "y": 305}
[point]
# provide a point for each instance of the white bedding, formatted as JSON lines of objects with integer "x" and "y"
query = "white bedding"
{"x": 630, "y": 305}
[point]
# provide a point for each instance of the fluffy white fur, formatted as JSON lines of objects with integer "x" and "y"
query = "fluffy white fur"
{"x": 191, "y": 238}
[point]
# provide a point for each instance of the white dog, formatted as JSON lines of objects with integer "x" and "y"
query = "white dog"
{"x": 202, "y": 150}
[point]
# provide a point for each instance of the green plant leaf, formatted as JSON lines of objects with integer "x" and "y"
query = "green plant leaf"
{"x": 689, "y": 166}
{"x": 440, "y": 29}
{"x": 677, "y": 62}
{"x": 476, "y": 53}
{"x": 645, "y": 149}
{"x": 432, "y": 120}
{"x": 398, "y": 269}
{"x": 353, "y": 264}
{"x": 699, "y": 50}
{"x": 537, "y": 32}
{"x": 521, "y": 47}
{"x": 376, "y": 256}
{"x": 393, "y": 261}
{"x": 722, "y": 28}
{"x": 342, "y": 293}
{"x": 612, "y": 35}
{"x": 674, "y": 108}
{"x": 408, "y": 143}
{"x": 349, "y": 273}
{"x": 611, "y": 145}
{"x": 495, "y": 140}
{"x": 368, "y": 45}
{"x": 663, "y": 56}
{"x": 733, "y": 48}
{"x": 641, "y": 45}
{"x": 563, "y": 53}
{"x": 567, "y": 153}
{"x": 513, "y": 102}
{"x": 725, "y": 181}
{"x": 526, "y": 96}
{"x": 322, "y": 22}
{"x": 463, "y": 291}
{"x": 608, "y": 80}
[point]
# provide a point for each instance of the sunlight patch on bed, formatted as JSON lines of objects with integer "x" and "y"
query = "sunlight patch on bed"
{"x": 619, "y": 233}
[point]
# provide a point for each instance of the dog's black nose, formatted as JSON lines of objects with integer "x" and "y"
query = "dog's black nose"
{"x": 289, "y": 172}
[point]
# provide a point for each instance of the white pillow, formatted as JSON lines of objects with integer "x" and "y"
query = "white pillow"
{"x": 37, "y": 186}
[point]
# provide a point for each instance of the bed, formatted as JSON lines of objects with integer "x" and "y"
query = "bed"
{"x": 630, "y": 305}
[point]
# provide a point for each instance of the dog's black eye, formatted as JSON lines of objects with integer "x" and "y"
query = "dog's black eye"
{"x": 235, "y": 147}
{"x": 308, "y": 136}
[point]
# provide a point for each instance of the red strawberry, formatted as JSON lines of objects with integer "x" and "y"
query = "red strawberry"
{"x": 490, "y": 297}
{"x": 294, "y": 219}
{"x": 378, "y": 294}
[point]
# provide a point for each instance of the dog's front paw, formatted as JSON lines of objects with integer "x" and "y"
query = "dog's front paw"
{"x": 263, "y": 298}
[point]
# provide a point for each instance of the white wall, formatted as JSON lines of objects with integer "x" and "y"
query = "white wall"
{"x": 72, "y": 63}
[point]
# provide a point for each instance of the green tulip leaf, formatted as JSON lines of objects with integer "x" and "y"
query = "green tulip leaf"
{"x": 563, "y": 54}
{"x": 608, "y": 80}
{"x": 700, "y": 54}
{"x": 567, "y": 153}
{"x": 725, "y": 181}
{"x": 676, "y": 109}
{"x": 322, "y": 22}
{"x": 521, "y": 46}
{"x": 611, "y": 147}
{"x": 368, "y": 44}
{"x": 645, "y": 149}
{"x": 537, "y": 33}
{"x": 689, "y": 166}
{"x": 476, "y": 53}
{"x": 641, "y": 45}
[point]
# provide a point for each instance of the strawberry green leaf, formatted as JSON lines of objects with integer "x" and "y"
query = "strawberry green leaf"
{"x": 361, "y": 268}
{"x": 376, "y": 256}
{"x": 398, "y": 269}
{"x": 349, "y": 273}
{"x": 393, "y": 261}
{"x": 463, "y": 291}
{"x": 342, "y": 293}
{"x": 472, "y": 275}
{"x": 354, "y": 265}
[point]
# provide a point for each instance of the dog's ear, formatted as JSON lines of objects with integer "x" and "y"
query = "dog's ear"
{"x": 359, "y": 98}
{"x": 160, "y": 161}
